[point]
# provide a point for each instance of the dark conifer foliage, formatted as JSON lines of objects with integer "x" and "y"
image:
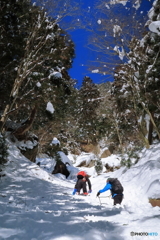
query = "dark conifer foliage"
{"x": 13, "y": 32}
{"x": 89, "y": 102}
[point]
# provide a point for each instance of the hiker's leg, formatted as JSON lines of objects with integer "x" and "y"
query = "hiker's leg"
{"x": 118, "y": 199}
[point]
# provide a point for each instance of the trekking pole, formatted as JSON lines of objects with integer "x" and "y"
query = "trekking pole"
{"x": 105, "y": 196}
{"x": 99, "y": 200}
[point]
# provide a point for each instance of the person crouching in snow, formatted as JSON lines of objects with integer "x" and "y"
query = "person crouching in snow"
{"x": 82, "y": 179}
{"x": 114, "y": 185}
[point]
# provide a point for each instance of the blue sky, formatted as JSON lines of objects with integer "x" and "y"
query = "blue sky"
{"x": 84, "y": 55}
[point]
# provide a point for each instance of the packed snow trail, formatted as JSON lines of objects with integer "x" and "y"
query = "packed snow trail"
{"x": 32, "y": 208}
{"x": 35, "y": 205}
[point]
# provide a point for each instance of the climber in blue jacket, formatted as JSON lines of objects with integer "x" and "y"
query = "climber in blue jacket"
{"x": 114, "y": 185}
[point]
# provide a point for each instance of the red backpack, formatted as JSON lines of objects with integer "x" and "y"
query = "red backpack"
{"x": 83, "y": 173}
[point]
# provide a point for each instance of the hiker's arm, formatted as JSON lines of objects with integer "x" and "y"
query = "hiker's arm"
{"x": 107, "y": 187}
{"x": 89, "y": 184}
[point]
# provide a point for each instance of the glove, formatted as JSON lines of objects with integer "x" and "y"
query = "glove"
{"x": 74, "y": 191}
{"x": 90, "y": 191}
{"x": 98, "y": 194}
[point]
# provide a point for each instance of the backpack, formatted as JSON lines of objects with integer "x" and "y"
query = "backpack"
{"x": 116, "y": 185}
{"x": 82, "y": 173}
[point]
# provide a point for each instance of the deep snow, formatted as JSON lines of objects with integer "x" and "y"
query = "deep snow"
{"x": 36, "y": 205}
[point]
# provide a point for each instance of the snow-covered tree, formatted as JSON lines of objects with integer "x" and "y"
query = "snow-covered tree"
{"x": 124, "y": 91}
{"x": 112, "y": 123}
{"x": 137, "y": 82}
{"x": 36, "y": 61}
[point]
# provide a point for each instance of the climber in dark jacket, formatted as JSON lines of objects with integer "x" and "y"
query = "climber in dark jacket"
{"x": 114, "y": 185}
{"x": 82, "y": 179}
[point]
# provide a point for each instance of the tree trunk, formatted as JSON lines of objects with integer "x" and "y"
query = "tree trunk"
{"x": 4, "y": 118}
{"x": 119, "y": 135}
{"x": 19, "y": 133}
{"x": 150, "y": 138}
{"x": 143, "y": 135}
{"x": 152, "y": 120}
